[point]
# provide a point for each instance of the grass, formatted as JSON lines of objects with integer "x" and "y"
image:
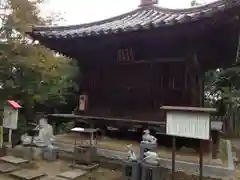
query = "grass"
{"x": 120, "y": 145}
{"x": 223, "y": 154}
{"x": 102, "y": 174}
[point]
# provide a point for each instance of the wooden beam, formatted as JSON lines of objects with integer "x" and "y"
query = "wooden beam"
{"x": 150, "y": 61}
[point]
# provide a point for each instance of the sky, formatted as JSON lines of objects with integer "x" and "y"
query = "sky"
{"x": 84, "y": 11}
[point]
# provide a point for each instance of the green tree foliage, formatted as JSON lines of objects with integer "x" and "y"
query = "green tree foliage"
{"x": 222, "y": 83}
{"x": 30, "y": 72}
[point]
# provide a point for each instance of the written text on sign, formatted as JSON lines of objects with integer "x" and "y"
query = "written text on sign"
{"x": 188, "y": 124}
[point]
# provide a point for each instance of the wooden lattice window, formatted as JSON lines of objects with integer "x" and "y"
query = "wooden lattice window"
{"x": 125, "y": 55}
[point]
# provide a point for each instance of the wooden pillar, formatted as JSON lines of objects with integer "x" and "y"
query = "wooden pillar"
{"x": 173, "y": 156}
{"x": 215, "y": 143}
{"x": 210, "y": 148}
{"x": 201, "y": 88}
{"x": 201, "y": 161}
{"x": 195, "y": 80}
{"x": 91, "y": 139}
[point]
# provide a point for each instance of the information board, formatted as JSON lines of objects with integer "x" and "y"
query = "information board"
{"x": 188, "y": 124}
{"x": 10, "y": 118}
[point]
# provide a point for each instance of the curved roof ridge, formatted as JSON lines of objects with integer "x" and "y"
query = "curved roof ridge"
{"x": 45, "y": 28}
{"x": 164, "y": 15}
{"x": 155, "y": 7}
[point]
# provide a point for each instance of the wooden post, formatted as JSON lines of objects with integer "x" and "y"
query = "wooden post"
{"x": 201, "y": 161}
{"x": 10, "y": 137}
{"x": 91, "y": 139}
{"x": 210, "y": 149}
{"x": 215, "y": 144}
{"x": 173, "y": 156}
{"x": 74, "y": 159}
{"x": 1, "y": 136}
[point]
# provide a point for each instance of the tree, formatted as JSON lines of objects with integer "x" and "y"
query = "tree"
{"x": 224, "y": 83}
{"x": 196, "y": 3}
{"x": 30, "y": 72}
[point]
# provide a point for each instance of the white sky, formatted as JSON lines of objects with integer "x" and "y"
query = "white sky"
{"x": 83, "y": 11}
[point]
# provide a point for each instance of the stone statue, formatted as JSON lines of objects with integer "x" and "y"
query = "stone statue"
{"x": 44, "y": 137}
{"x": 45, "y": 132}
{"x": 26, "y": 140}
{"x": 131, "y": 153}
{"x": 151, "y": 157}
{"x": 148, "y": 138}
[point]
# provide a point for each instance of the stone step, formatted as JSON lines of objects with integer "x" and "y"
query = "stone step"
{"x": 52, "y": 178}
{"x": 13, "y": 160}
{"x": 28, "y": 174}
{"x": 72, "y": 174}
{"x": 7, "y": 167}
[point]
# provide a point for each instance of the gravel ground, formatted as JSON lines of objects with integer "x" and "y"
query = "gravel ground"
{"x": 52, "y": 169}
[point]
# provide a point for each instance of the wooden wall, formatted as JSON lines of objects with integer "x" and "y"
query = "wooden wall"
{"x": 137, "y": 90}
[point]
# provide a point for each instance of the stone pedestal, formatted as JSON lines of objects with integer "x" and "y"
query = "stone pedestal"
{"x": 85, "y": 154}
{"x": 144, "y": 147}
{"x": 26, "y": 152}
{"x": 3, "y": 151}
{"x": 50, "y": 154}
{"x": 31, "y": 153}
{"x": 150, "y": 172}
{"x": 131, "y": 170}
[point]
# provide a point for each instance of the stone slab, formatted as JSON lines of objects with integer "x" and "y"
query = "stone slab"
{"x": 6, "y": 168}
{"x": 89, "y": 167}
{"x": 28, "y": 174}
{"x": 53, "y": 178}
{"x": 13, "y": 160}
{"x": 58, "y": 178}
{"x": 72, "y": 174}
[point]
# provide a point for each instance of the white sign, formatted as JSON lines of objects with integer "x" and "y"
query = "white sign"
{"x": 188, "y": 124}
{"x": 10, "y": 118}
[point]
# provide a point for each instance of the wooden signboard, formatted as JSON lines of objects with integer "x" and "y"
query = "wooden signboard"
{"x": 10, "y": 118}
{"x": 188, "y": 124}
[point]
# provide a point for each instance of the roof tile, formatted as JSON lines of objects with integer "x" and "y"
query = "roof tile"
{"x": 143, "y": 17}
{"x": 14, "y": 104}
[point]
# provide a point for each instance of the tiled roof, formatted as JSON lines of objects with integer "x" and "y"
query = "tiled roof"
{"x": 14, "y": 104}
{"x": 141, "y": 18}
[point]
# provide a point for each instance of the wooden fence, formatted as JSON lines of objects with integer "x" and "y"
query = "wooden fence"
{"x": 231, "y": 122}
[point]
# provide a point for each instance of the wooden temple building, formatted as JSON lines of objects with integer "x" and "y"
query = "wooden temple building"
{"x": 134, "y": 63}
